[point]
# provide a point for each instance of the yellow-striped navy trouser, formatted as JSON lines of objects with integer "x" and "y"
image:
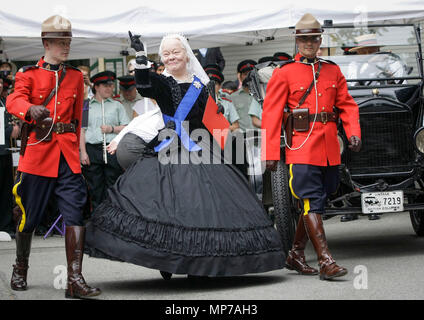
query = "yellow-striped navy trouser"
{"x": 306, "y": 206}
{"x": 18, "y": 200}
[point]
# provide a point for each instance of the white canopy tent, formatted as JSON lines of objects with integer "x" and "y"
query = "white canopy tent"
{"x": 100, "y": 28}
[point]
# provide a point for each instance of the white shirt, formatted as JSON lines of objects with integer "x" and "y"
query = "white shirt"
{"x": 146, "y": 126}
{"x": 203, "y": 51}
{"x": 143, "y": 105}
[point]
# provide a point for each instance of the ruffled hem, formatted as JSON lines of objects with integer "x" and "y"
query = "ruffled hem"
{"x": 107, "y": 246}
{"x": 182, "y": 240}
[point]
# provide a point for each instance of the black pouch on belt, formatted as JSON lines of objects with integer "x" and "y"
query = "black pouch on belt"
{"x": 42, "y": 129}
{"x": 301, "y": 119}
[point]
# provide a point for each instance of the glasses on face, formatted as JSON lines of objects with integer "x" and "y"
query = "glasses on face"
{"x": 306, "y": 39}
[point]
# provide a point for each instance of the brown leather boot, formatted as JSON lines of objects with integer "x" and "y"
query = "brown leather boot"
{"x": 328, "y": 269}
{"x": 296, "y": 257}
{"x": 74, "y": 243}
{"x": 20, "y": 269}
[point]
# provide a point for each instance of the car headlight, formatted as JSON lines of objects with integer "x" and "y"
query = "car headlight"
{"x": 342, "y": 145}
{"x": 419, "y": 140}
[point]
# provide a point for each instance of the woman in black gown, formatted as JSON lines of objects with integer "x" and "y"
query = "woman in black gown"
{"x": 183, "y": 217}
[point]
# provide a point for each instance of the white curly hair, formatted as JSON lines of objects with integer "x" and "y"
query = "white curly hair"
{"x": 193, "y": 66}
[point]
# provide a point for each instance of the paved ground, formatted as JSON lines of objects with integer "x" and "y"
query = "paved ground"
{"x": 388, "y": 257}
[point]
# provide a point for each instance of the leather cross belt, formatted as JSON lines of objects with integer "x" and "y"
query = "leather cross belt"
{"x": 324, "y": 117}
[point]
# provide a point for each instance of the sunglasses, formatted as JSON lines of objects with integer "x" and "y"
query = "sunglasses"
{"x": 309, "y": 38}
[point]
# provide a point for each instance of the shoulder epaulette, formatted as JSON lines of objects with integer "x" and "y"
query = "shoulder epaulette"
{"x": 224, "y": 98}
{"x": 68, "y": 66}
{"x": 329, "y": 61}
{"x": 26, "y": 68}
{"x": 283, "y": 63}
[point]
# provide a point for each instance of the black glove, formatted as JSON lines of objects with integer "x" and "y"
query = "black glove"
{"x": 355, "y": 144}
{"x": 38, "y": 113}
{"x": 220, "y": 108}
{"x": 136, "y": 44}
{"x": 170, "y": 125}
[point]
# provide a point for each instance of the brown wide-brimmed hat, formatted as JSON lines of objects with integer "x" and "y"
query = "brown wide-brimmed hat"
{"x": 365, "y": 40}
{"x": 308, "y": 25}
{"x": 56, "y": 27}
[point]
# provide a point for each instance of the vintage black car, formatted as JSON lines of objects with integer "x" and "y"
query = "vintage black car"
{"x": 387, "y": 174}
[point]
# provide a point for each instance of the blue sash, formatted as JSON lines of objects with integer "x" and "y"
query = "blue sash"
{"x": 181, "y": 113}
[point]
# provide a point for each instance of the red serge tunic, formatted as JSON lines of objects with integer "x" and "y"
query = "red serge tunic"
{"x": 286, "y": 87}
{"x": 32, "y": 86}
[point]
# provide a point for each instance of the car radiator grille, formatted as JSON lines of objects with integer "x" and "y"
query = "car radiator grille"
{"x": 387, "y": 145}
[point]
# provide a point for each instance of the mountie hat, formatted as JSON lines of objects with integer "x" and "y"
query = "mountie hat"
{"x": 308, "y": 26}
{"x": 216, "y": 75}
{"x": 365, "y": 40}
{"x": 56, "y": 27}
{"x": 126, "y": 82}
{"x": 103, "y": 77}
{"x": 246, "y": 65}
{"x": 282, "y": 56}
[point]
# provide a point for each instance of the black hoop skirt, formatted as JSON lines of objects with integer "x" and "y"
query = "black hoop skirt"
{"x": 187, "y": 218}
{"x": 197, "y": 219}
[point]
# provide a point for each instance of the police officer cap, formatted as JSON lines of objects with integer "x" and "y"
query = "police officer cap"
{"x": 266, "y": 59}
{"x": 103, "y": 77}
{"x": 126, "y": 82}
{"x": 212, "y": 67}
{"x": 56, "y": 27}
{"x": 308, "y": 26}
{"x": 282, "y": 56}
{"x": 216, "y": 75}
{"x": 246, "y": 65}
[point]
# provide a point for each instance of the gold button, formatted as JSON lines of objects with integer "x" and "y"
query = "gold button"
{"x": 334, "y": 85}
{"x": 41, "y": 97}
{"x": 58, "y": 102}
{"x": 21, "y": 113}
{"x": 58, "y": 117}
{"x": 301, "y": 88}
{"x": 293, "y": 133}
{"x": 75, "y": 95}
{"x": 323, "y": 108}
{"x": 319, "y": 94}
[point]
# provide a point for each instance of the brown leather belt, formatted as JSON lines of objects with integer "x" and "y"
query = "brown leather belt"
{"x": 324, "y": 117}
{"x": 59, "y": 127}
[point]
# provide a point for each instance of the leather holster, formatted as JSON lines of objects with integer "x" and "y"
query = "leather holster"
{"x": 42, "y": 129}
{"x": 288, "y": 127}
{"x": 301, "y": 119}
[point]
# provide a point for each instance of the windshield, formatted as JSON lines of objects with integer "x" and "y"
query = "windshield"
{"x": 383, "y": 52}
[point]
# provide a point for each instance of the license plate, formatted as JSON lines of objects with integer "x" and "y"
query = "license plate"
{"x": 377, "y": 202}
